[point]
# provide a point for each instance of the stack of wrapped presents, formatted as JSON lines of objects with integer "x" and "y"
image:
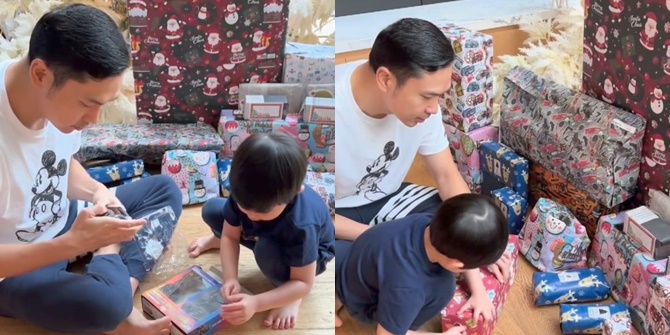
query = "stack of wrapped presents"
{"x": 205, "y": 78}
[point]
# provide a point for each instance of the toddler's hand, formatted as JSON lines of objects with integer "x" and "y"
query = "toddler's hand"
{"x": 230, "y": 288}
{"x": 240, "y": 309}
{"x": 501, "y": 268}
{"x": 481, "y": 305}
{"x": 456, "y": 330}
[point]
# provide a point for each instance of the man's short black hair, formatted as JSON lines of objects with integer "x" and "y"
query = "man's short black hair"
{"x": 470, "y": 228}
{"x": 268, "y": 169}
{"x": 79, "y": 42}
{"x": 411, "y": 47}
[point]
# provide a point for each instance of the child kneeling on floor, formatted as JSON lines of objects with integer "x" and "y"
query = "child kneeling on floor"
{"x": 285, "y": 223}
{"x": 400, "y": 274}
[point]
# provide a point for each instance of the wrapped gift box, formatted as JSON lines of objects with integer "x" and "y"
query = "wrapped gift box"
{"x": 659, "y": 203}
{"x": 497, "y": 293}
{"x": 546, "y": 184}
{"x": 318, "y": 141}
{"x": 118, "y": 171}
{"x": 467, "y": 104}
{"x": 195, "y": 172}
{"x": 264, "y": 107}
{"x": 236, "y": 131}
{"x": 319, "y": 110}
{"x": 134, "y": 179}
{"x": 552, "y": 239}
{"x": 649, "y": 231}
{"x": 223, "y": 167}
{"x": 637, "y": 290}
{"x": 626, "y": 64}
{"x": 294, "y": 93}
{"x": 324, "y": 185}
{"x": 309, "y": 64}
{"x": 147, "y": 142}
{"x": 513, "y": 206}
{"x": 618, "y": 324}
{"x": 613, "y": 251}
{"x": 589, "y": 319}
{"x": 593, "y": 145}
{"x": 505, "y": 166}
{"x": 465, "y": 150}
{"x": 581, "y": 285}
{"x": 658, "y": 312}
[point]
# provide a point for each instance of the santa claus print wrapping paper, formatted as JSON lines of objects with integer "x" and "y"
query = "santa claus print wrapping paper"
{"x": 627, "y": 64}
{"x": 189, "y": 57}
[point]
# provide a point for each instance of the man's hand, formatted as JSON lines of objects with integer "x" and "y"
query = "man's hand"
{"x": 501, "y": 268}
{"x": 90, "y": 231}
{"x": 230, "y": 288}
{"x": 240, "y": 309}
{"x": 481, "y": 305}
{"x": 104, "y": 197}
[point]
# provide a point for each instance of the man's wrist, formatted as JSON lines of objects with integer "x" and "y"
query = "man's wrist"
{"x": 68, "y": 245}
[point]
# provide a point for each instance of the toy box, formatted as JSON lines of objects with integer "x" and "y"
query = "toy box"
{"x": 309, "y": 64}
{"x": 465, "y": 150}
{"x": 467, "y": 104}
{"x": 618, "y": 324}
{"x": 546, "y": 184}
{"x": 191, "y": 299}
{"x": 658, "y": 312}
{"x": 649, "y": 231}
{"x": 637, "y": 290}
{"x": 552, "y": 239}
{"x": 264, "y": 107}
{"x": 118, "y": 171}
{"x": 294, "y": 93}
{"x": 319, "y": 110}
{"x": 497, "y": 292}
{"x": 589, "y": 319}
{"x": 593, "y": 145}
{"x": 513, "y": 206}
{"x": 134, "y": 179}
{"x": 506, "y": 166}
{"x": 195, "y": 173}
{"x": 613, "y": 251}
{"x": 581, "y": 285}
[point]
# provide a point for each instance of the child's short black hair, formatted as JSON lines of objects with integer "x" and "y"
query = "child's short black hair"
{"x": 267, "y": 170}
{"x": 470, "y": 228}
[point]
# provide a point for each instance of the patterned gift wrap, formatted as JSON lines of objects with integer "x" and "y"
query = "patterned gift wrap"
{"x": 223, "y": 167}
{"x": 134, "y": 179}
{"x": 324, "y": 185}
{"x": 294, "y": 93}
{"x": 189, "y": 58}
{"x": 497, "y": 293}
{"x": 468, "y": 103}
{"x": 594, "y": 146}
{"x": 147, "y": 142}
{"x": 581, "y": 285}
{"x": 618, "y": 324}
{"x": 118, "y": 171}
{"x": 637, "y": 290}
{"x": 658, "y": 312}
{"x": 513, "y": 206}
{"x": 589, "y": 319}
{"x": 195, "y": 172}
{"x": 552, "y": 239}
{"x": 505, "y": 166}
{"x": 627, "y": 64}
{"x": 543, "y": 183}
{"x": 613, "y": 251}
{"x": 465, "y": 149}
{"x": 309, "y": 64}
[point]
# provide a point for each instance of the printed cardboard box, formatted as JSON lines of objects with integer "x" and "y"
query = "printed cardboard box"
{"x": 468, "y": 103}
{"x": 580, "y": 285}
{"x": 223, "y": 167}
{"x": 497, "y": 292}
{"x": 309, "y": 64}
{"x": 591, "y": 144}
{"x": 294, "y": 93}
{"x": 190, "y": 58}
{"x": 589, "y": 319}
{"x": 118, "y": 171}
{"x": 265, "y": 107}
{"x": 626, "y": 64}
{"x": 546, "y": 184}
{"x": 637, "y": 290}
{"x": 506, "y": 165}
{"x": 465, "y": 149}
{"x": 552, "y": 239}
{"x": 147, "y": 142}
{"x": 319, "y": 110}
{"x": 195, "y": 172}
{"x": 658, "y": 312}
{"x": 513, "y": 206}
{"x": 613, "y": 251}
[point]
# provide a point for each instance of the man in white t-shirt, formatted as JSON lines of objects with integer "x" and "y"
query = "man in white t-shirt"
{"x": 75, "y": 64}
{"x": 386, "y": 112}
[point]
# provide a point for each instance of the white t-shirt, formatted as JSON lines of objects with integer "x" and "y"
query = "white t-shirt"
{"x": 34, "y": 170}
{"x": 374, "y": 155}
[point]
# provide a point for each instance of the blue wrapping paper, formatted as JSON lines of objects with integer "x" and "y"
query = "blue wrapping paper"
{"x": 507, "y": 166}
{"x": 589, "y": 319}
{"x": 136, "y": 178}
{"x": 117, "y": 171}
{"x": 490, "y": 183}
{"x": 514, "y": 207}
{"x": 582, "y": 285}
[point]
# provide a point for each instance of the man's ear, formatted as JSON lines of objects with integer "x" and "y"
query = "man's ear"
{"x": 40, "y": 74}
{"x": 385, "y": 79}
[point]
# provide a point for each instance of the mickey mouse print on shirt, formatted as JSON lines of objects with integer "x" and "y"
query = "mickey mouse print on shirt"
{"x": 376, "y": 172}
{"x": 45, "y": 205}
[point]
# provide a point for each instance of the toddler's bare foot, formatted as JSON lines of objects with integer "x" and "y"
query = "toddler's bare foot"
{"x": 137, "y": 324}
{"x": 283, "y": 317}
{"x": 202, "y": 244}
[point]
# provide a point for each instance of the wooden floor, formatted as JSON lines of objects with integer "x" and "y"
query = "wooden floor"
{"x": 316, "y": 315}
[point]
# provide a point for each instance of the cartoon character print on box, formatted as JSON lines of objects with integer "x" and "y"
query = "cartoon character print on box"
{"x": 627, "y": 63}
{"x": 589, "y": 319}
{"x": 189, "y": 58}
{"x": 513, "y": 206}
{"x": 581, "y": 285}
{"x": 497, "y": 293}
{"x": 591, "y": 144}
{"x": 658, "y": 312}
{"x": 236, "y": 131}
{"x": 223, "y": 167}
{"x": 618, "y": 324}
{"x": 552, "y": 239}
{"x": 465, "y": 149}
{"x": 318, "y": 141}
{"x": 195, "y": 172}
{"x": 506, "y": 165}
{"x": 324, "y": 185}
{"x": 637, "y": 290}
{"x": 546, "y": 184}
{"x": 117, "y": 171}
{"x": 467, "y": 104}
